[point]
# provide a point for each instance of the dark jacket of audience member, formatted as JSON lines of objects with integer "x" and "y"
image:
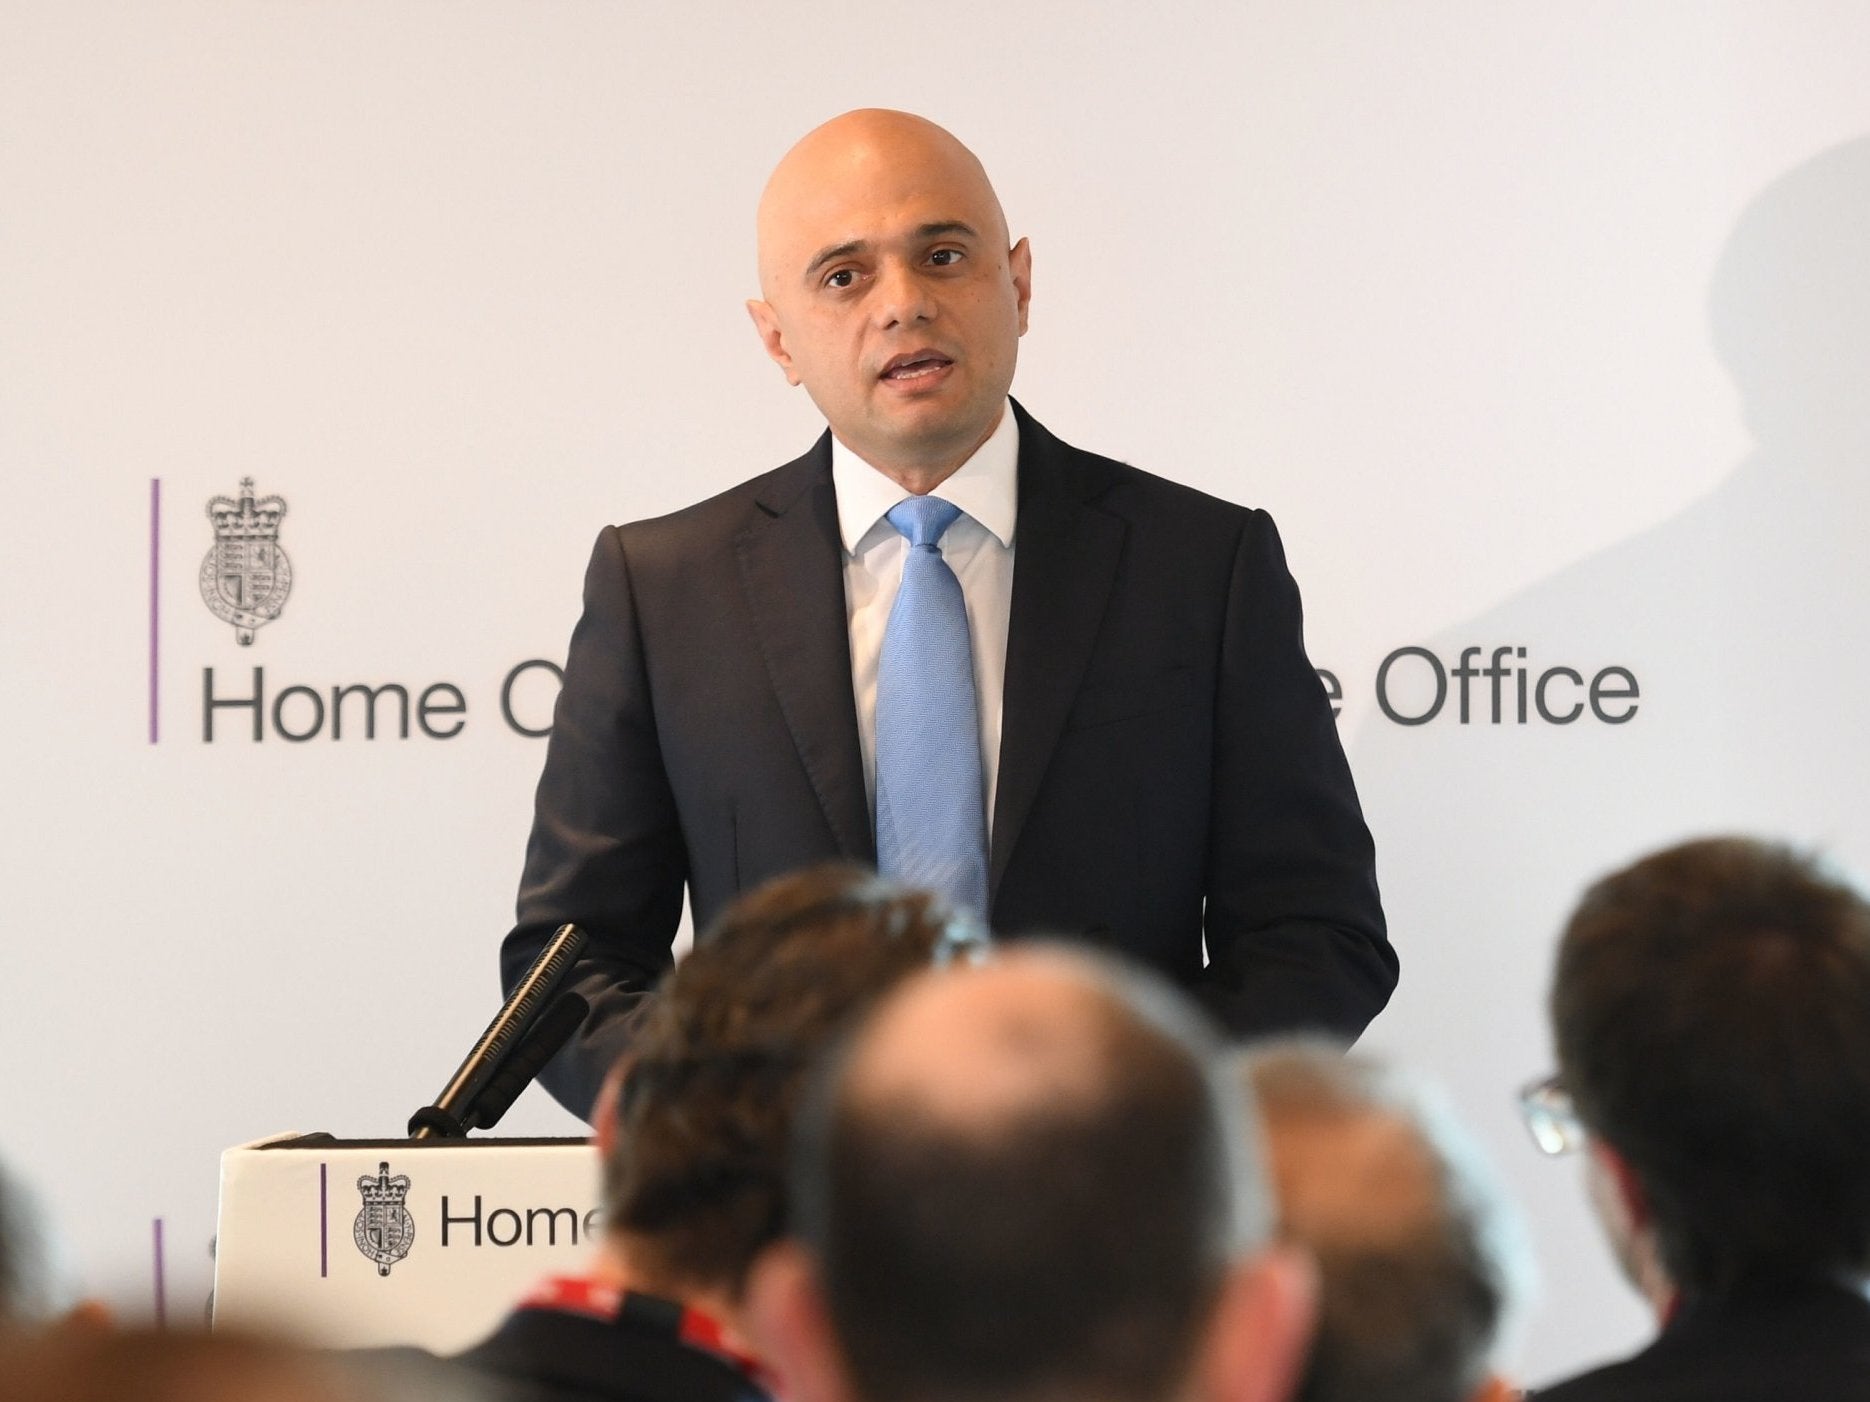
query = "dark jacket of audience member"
{"x": 1711, "y": 1008}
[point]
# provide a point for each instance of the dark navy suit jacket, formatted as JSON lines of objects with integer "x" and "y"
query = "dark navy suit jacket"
{"x": 1170, "y": 770}
{"x": 543, "y": 1355}
{"x": 1764, "y": 1342}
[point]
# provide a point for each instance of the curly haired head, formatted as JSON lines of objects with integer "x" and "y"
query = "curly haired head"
{"x": 696, "y": 1169}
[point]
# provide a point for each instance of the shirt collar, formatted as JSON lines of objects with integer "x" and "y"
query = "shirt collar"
{"x": 986, "y": 486}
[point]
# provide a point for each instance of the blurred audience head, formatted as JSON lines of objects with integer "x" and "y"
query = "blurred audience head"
{"x": 694, "y": 1124}
{"x": 1421, "y": 1263}
{"x": 24, "y": 1288}
{"x": 148, "y": 1365}
{"x": 1711, "y": 1010}
{"x": 1031, "y": 1181}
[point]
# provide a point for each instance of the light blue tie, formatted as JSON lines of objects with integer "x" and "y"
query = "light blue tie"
{"x": 931, "y": 817}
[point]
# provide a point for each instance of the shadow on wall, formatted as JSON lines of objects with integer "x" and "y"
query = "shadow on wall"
{"x": 1746, "y": 623}
{"x": 1745, "y": 619}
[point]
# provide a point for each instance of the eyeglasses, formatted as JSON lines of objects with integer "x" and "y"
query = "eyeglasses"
{"x": 1550, "y": 1116}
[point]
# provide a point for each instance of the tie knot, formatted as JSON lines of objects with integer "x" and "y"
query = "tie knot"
{"x": 923, "y": 519}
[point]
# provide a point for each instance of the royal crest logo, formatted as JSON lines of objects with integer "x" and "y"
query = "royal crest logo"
{"x": 384, "y": 1231}
{"x": 246, "y": 576}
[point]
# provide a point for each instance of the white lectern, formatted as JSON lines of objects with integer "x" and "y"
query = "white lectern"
{"x": 361, "y": 1242}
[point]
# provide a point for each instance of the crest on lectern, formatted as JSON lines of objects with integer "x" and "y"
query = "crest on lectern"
{"x": 384, "y": 1231}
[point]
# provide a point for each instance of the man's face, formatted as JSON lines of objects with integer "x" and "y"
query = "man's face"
{"x": 890, "y": 292}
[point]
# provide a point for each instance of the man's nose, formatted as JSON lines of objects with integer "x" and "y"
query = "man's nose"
{"x": 903, "y": 296}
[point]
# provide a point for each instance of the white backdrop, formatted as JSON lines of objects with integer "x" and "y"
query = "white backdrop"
{"x": 1437, "y": 283}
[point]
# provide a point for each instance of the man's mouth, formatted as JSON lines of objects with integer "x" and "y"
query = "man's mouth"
{"x": 916, "y": 365}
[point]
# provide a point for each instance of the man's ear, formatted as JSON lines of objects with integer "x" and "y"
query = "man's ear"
{"x": 789, "y": 1326}
{"x": 1261, "y": 1334}
{"x": 766, "y": 322}
{"x": 1622, "y": 1205}
{"x": 1019, "y": 263}
{"x": 1615, "y": 1172}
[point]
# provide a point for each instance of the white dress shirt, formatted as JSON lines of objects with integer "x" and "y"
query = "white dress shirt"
{"x": 978, "y": 548}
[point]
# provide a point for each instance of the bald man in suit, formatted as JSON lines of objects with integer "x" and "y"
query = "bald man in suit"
{"x": 1159, "y": 767}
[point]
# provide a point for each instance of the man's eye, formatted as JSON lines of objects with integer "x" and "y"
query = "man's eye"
{"x": 945, "y": 257}
{"x": 843, "y": 277}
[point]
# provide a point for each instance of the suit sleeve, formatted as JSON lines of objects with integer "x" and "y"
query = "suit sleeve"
{"x": 606, "y": 848}
{"x": 1293, "y": 922}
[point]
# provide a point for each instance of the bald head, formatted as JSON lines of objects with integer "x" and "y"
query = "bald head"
{"x": 1029, "y": 1179}
{"x": 888, "y": 290}
{"x": 1350, "y": 1169}
{"x": 870, "y": 153}
{"x": 1029, "y": 1032}
{"x": 1419, "y": 1260}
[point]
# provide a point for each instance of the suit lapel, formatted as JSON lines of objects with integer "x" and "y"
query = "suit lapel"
{"x": 791, "y": 569}
{"x": 1064, "y": 563}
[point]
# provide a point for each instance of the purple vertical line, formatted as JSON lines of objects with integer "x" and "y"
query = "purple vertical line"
{"x": 324, "y": 1233}
{"x": 162, "y": 1294}
{"x": 155, "y": 600}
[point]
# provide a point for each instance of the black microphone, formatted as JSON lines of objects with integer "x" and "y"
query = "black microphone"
{"x": 451, "y": 1116}
{"x": 539, "y": 1046}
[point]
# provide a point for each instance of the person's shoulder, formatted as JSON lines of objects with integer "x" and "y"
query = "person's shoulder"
{"x": 1124, "y": 489}
{"x": 412, "y": 1369}
{"x": 774, "y": 490}
{"x": 1655, "y": 1374}
{"x": 1165, "y": 521}
{"x": 717, "y": 519}
{"x": 1608, "y": 1383}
